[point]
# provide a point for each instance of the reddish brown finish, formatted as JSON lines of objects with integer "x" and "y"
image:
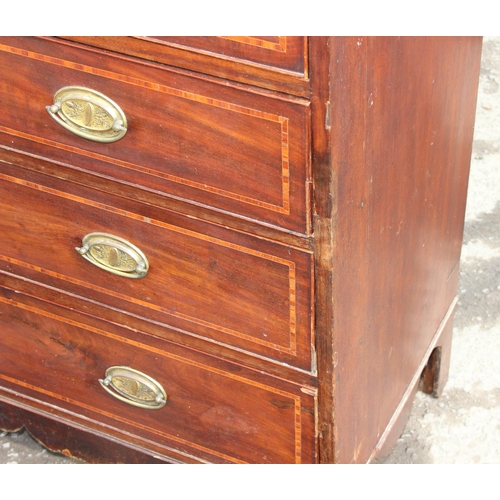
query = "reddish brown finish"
{"x": 281, "y": 52}
{"x": 273, "y": 62}
{"x": 402, "y": 116}
{"x": 102, "y": 184}
{"x": 22, "y": 281}
{"x": 234, "y": 415}
{"x": 234, "y": 289}
{"x": 430, "y": 364}
{"x": 65, "y": 439}
{"x": 207, "y": 143}
{"x": 373, "y": 238}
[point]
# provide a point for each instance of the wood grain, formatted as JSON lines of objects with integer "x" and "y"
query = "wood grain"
{"x": 73, "y": 442}
{"x": 202, "y": 142}
{"x": 277, "y": 63}
{"x": 304, "y": 249}
{"x": 257, "y": 299}
{"x": 56, "y": 359}
{"x": 401, "y": 135}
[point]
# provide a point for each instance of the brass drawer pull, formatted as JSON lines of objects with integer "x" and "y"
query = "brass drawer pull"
{"x": 89, "y": 114}
{"x": 114, "y": 254}
{"x": 134, "y": 387}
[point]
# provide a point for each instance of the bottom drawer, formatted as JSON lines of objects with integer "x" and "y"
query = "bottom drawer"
{"x": 215, "y": 411}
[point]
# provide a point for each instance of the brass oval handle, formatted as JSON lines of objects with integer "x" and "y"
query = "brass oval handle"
{"x": 134, "y": 387}
{"x": 114, "y": 254}
{"x": 89, "y": 114}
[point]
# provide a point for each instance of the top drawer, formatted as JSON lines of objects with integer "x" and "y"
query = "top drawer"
{"x": 275, "y": 62}
{"x": 188, "y": 138}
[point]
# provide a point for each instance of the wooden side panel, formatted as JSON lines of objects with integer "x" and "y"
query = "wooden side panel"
{"x": 402, "y": 121}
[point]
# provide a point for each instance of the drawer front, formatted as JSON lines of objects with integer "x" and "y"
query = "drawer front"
{"x": 214, "y": 412}
{"x": 206, "y": 281}
{"x": 187, "y": 138}
{"x": 277, "y": 62}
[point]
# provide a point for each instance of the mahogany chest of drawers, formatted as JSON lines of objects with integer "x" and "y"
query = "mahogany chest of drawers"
{"x": 229, "y": 249}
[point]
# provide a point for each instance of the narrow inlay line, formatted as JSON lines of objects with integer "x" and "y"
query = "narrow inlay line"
{"x": 290, "y": 349}
{"x": 280, "y": 46}
{"x": 285, "y": 188}
{"x": 296, "y": 399}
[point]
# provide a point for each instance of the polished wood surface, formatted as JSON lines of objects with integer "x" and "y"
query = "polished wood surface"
{"x": 291, "y": 335}
{"x": 234, "y": 414}
{"x": 209, "y": 282}
{"x": 206, "y": 143}
{"x": 281, "y": 52}
{"x": 401, "y": 136}
{"x": 276, "y": 62}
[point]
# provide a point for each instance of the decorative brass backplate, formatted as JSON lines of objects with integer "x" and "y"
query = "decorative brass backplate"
{"x": 89, "y": 114}
{"x": 114, "y": 254}
{"x": 134, "y": 387}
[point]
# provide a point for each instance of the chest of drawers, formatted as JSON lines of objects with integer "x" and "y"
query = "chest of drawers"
{"x": 229, "y": 249}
